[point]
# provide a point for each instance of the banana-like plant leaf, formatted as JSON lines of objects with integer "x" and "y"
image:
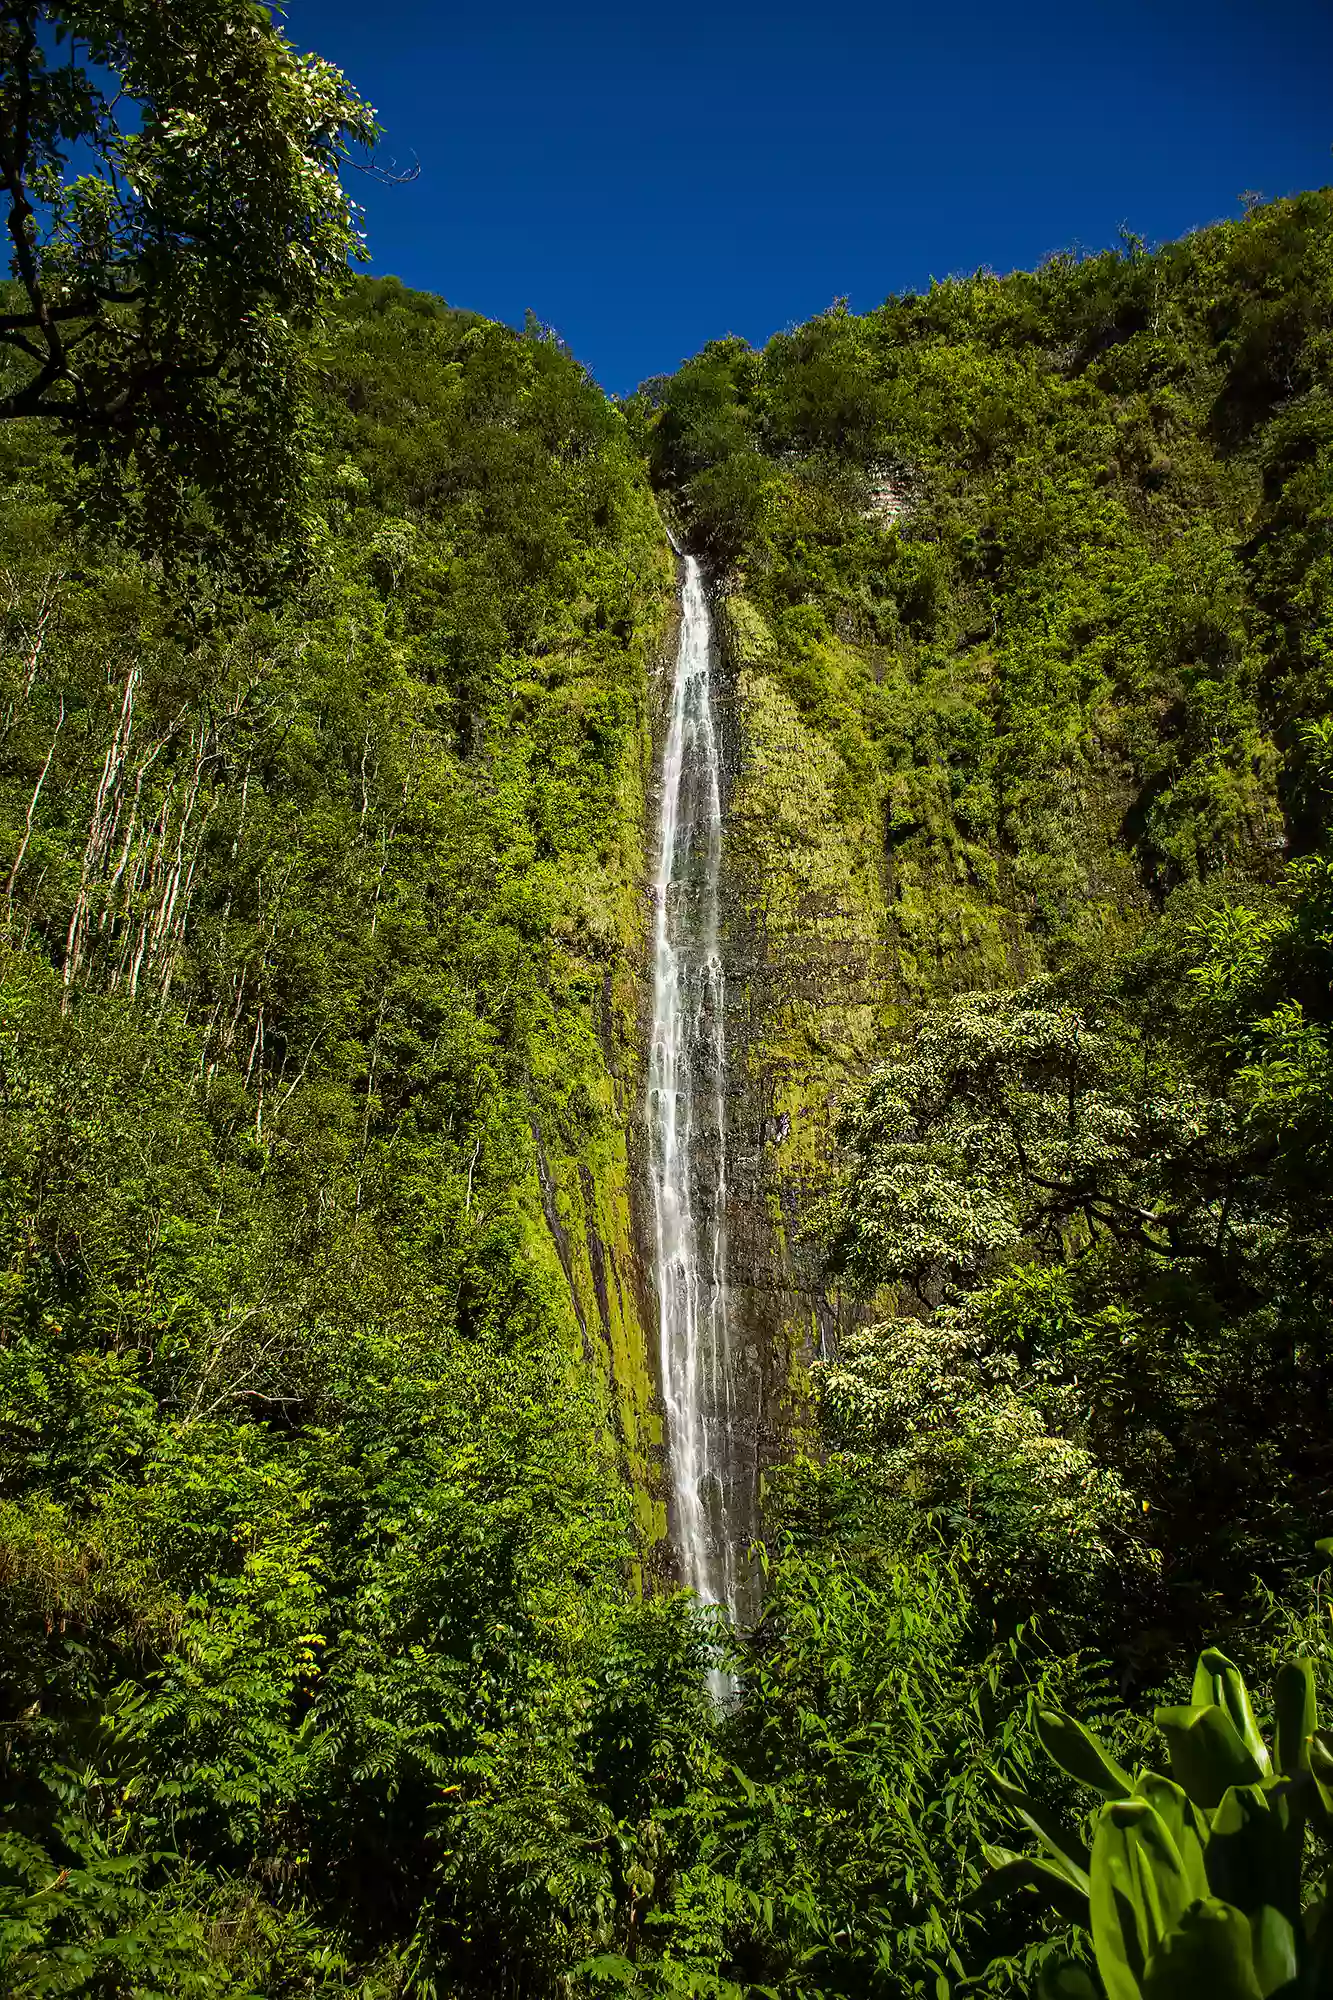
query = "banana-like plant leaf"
{"x": 1029, "y": 1871}
{"x": 1207, "y": 1754}
{"x": 1273, "y": 1942}
{"x": 1182, "y": 1820}
{"x": 1295, "y": 1718}
{"x": 1140, "y": 1890}
{"x": 1208, "y": 1956}
{"x": 1218, "y": 1679}
{"x": 1076, "y": 1750}
{"x": 1296, "y": 1715}
{"x": 1319, "y": 1792}
{"x": 1320, "y": 1748}
{"x": 1066, "y": 1979}
{"x": 1248, "y": 1854}
{"x": 1318, "y": 1926}
{"x": 1321, "y": 1770}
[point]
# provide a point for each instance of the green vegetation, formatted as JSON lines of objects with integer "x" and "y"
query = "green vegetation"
{"x": 318, "y": 1488}
{"x": 1086, "y": 659}
{"x": 1042, "y": 562}
{"x": 173, "y": 203}
{"x": 1193, "y": 1884}
{"x": 336, "y": 1654}
{"x": 1039, "y": 566}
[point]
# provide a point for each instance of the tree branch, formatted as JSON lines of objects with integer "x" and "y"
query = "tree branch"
{"x": 17, "y": 142}
{"x": 15, "y": 339}
{"x": 83, "y": 307}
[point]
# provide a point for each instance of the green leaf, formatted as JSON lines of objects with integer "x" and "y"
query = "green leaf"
{"x": 1319, "y": 1801}
{"x": 1067, "y": 1851}
{"x": 1066, "y": 1979}
{"x": 1296, "y": 1715}
{"x": 1207, "y": 1754}
{"x": 1076, "y": 1750}
{"x": 1140, "y": 1889}
{"x": 607, "y": 1966}
{"x": 1208, "y": 1956}
{"x": 1182, "y": 1820}
{"x": 1273, "y": 1941}
{"x": 1029, "y": 1871}
{"x": 1248, "y": 1851}
{"x": 1218, "y": 1680}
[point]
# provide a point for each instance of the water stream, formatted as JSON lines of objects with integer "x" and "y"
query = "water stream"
{"x": 710, "y": 1504}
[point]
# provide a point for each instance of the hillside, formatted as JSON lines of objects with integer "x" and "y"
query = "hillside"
{"x": 318, "y": 997}
{"x": 1023, "y": 586}
{"x": 340, "y": 1650}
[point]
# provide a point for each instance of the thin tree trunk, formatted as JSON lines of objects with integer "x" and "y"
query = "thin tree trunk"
{"x": 32, "y": 808}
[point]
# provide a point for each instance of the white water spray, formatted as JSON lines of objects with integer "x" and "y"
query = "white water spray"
{"x": 687, "y": 1132}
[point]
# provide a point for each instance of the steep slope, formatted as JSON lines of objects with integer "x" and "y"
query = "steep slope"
{"x": 326, "y": 1406}
{"x": 328, "y": 1434}
{"x": 1024, "y": 583}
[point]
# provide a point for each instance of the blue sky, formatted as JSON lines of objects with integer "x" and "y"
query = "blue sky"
{"x": 648, "y": 179}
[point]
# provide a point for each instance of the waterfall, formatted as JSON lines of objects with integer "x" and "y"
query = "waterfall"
{"x": 711, "y": 1505}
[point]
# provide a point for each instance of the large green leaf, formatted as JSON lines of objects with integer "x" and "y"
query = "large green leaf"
{"x": 1030, "y": 1871}
{"x": 1273, "y": 1941}
{"x": 1248, "y": 1851}
{"x": 1066, "y": 1980}
{"x": 1296, "y": 1716}
{"x": 1208, "y": 1956}
{"x": 1207, "y": 1754}
{"x": 1140, "y": 1889}
{"x": 1077, "y": 1751}
{"x": 1218, "y": 1680}
{"x": 1065, "y": 1848}
{"x": 1320, "y": 1750}
{"x": 1182, "y": 1820}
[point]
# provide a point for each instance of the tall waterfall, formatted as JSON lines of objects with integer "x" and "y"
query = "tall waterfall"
{"x": 711, "y": 1504}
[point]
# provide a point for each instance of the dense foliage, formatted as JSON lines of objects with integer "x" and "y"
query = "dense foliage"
{"x": 327, "y": 1661}
{"x": 1196, "y": 1884}
{"x": 1042, "y": 562}
{"x": 308, "y": 1497}
{"x": 1045, "y": 554}
{"x": 176, "y": 217}
{"x": 1120, "y": 1180}
{"x": 1046, "y": 560}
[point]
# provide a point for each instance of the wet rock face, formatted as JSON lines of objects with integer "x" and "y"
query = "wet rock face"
{"x": 837, "y": 925}
{"x": 811, "y": 1001}
{"x": 808, "y": 986}
{"x": 711, "y": 1475}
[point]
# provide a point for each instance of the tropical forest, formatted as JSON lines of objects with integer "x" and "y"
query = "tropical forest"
{"x": 666, "y": 1166}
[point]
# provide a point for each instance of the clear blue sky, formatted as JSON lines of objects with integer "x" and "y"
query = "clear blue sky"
{"x": 646, "y": 179}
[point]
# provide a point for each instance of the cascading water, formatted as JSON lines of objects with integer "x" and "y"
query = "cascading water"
{"x": 712, "y": 1506}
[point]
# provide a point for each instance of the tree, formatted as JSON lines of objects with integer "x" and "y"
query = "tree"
{"x": 1115, "y": 1219}
{"x": 1007, "y": 1123}
{"x": 176, "y": 216}
{"x": 1018, "y": 1124}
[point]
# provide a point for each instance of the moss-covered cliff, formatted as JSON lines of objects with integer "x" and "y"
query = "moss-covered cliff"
{"x": 1013, "y": 650}
{"x": 330, "y": 1441}
{"x": 810, "y": 1000}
